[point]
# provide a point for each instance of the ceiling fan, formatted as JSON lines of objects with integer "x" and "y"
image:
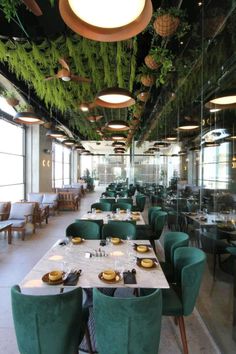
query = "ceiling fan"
{"x": 66, "y": 75}
{"x": 33, "y": 7}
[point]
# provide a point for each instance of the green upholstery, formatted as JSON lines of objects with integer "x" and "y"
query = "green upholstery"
{"x": 125, "y": 200}
{"x": 127, "y": 325}
{"x": 101, "y": 206}
{"x": 107, "y": 200}
{"x": 121, "y": 193}
{"x": 99, "y": 222}
{"x": 48, "y": 324}
{"x": 172, "y": 241}
{"x": 151, "y": 210}
{"x": 189, "y": 263}
{"x": 122, "y": 206}
{"x": 109, "y": 194}
{"x": 180, "y": 299}
{"x": 84, "y": 228}
{"x": 120, "y": 229}
{"x": 140, "y": 203}
{"x": 146, "y": 232}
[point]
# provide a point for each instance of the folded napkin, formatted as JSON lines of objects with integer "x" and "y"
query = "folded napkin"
{"x": 130, "y": 277}
{"x": 72, "y": 278}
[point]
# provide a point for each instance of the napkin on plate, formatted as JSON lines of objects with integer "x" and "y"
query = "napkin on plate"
{"x": 129, "y": 277}
{"x": 72, "y": 278}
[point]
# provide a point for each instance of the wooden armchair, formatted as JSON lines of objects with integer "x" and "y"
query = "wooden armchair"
{"x": 68, "y": 200}
{"x": 4, "y": 210}
{"x": 22, "y": 213}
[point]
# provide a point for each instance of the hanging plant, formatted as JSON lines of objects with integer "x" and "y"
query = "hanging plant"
{"x": 158, "y": 56}
{"x": 146, "y": 77}
{"x": 170, "y": 21}
{"x": 143, "y": 96}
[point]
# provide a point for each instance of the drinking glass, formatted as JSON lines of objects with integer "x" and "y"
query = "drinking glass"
{"x": 117, "y": 210}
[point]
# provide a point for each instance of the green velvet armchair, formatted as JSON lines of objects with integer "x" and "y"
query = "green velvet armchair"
{"x": 127, "y": 325}
{"x": 48, "y": 324}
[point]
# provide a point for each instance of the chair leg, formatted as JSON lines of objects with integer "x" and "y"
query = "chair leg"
{"x": 23, "y": 235}
{"x": 214, "y": 265}
{"x": 87, "y": 336}
{"x": 180, "y": 320}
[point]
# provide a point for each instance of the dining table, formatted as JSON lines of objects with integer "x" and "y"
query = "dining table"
{"x": 90, "y": 258}
{"x": 120, "y": 216}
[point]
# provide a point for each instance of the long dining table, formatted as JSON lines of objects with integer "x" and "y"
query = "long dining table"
{"x": 109, "y": 215}
{"x": 92, "y": 259}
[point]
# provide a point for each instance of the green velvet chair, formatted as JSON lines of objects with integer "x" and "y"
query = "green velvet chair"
{"x": 99, "y": 222}
{"x": 125, "y": 200}
{"x": 48, "y": 324}
{"x": 120, "y": 229}
{"x": 172, "y": 241}
{"x": 101, "y": 206}
{"x": 127, "y": 325}
{"x": 140, "y": 203}
{"x": 159, "y": 223}
{"x": 84, "y": 228}
{"x": 180, "y": 299}
{"x": 122, "y": 206}
{"x": 107, "y": 200}
{"x": 147, "y": 232}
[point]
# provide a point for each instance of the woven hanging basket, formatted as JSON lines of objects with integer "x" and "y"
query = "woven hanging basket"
{"x": 147, "y": 80}
{"x": 134, "y": 122}
{"x": 144, "y": 96}
{"x": 166, "y": 25}
{"x": 151, "y": 62}
{"x": 12, "y": 101}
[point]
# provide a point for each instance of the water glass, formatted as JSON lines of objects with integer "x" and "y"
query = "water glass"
{"x": 128, "y": 212}
{"x": 129, "y": 238}
{"x": 93, "y": 211}
{"x": 117, "y": 210}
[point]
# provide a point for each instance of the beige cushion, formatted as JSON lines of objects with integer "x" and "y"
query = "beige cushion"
{"x": 19, "y": 210}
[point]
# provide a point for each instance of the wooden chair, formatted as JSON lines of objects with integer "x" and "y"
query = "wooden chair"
{"x": 20, "y": 214}
{"x": 4, "y": 210}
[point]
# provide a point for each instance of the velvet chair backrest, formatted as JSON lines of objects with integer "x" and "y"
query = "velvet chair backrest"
{"x": 48, "y": 324}
{"x": 120, "y": 229}
{"x": 101, "y": 206}
{"x": 107, "y": 200}
{"x": 189, "y": 263}
{"x": 140, "y": 202}
{"x": 84, "y": 228}
{"x": 127, "y": 325}
{"x": 122, "y": 206}
{"x": 159, "y": 223}
{"x": 172, "y": 241}
{"x": 150, "y": 211}
{"x": 125, "y": 200}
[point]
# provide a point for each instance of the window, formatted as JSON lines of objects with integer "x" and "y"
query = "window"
{"x": 215, "y": 167}
{"x": 12, "y": 161}
{"x": 61, "y": 166}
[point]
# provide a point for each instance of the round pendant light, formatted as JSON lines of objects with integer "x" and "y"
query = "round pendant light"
{"x": 171, "y": 138}
{"x": 69, "y": 142}
{"x": 161, "y": 144}
{"x": 119, "y": 125}
{"x": 94, "y": 119}
{"x": 106, "y": 20}
{"x": 222, "y": 100}
{"x": 28, "y": 118}
{"x": 187, "y": 126}
{"x": 118, "y": 137}
{"x": 55, "y": 133}
{"x": 211, "y": 144}
{"x": 114, "y": 97}
{"x": 118, "y": 144}
{"x": 119, "y": 150}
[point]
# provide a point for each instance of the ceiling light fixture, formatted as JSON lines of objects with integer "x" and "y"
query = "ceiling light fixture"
{"x": 118, "y": 144}
{"x": 94, "y": 119}
{"x": 114, "y": 97}
{"x": 211, "y": 144}
{"x": 171, "y": 138}
{"x": 84, "y": 107}
{"x": 27, "y": 118}
{"x": 161, "y": 144}
{"x": 224, "y": 99}
{"x": 187, "y": 126}
{"x": 55, "y": 133}
{"x": 182, "y": 152}
{"x": 118, "y": 137}
{"x": 105, "y": 20}
{"x": 214, "y": 110}
{"x": 69, "y": 142}
{"x": 117, "y": 125}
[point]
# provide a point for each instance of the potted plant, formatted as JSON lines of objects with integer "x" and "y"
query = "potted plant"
{"x": 169, "y": 20}
{"x": 157, "y": 57}
{"x": 10, "y": 97}
{"x": 146, "y": 77}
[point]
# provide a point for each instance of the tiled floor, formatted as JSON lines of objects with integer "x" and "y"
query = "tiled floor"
{"x": 17, "y": 259}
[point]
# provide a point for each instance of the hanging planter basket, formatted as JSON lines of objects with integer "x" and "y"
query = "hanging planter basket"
{"x": 151, "y": 63}
{"x": 147, "y": 80}
{"x": 138, "y": 110}
{"x": 166, "y": 25}
{"x": 12, "y": 101}
{"x": 144, "y": 96}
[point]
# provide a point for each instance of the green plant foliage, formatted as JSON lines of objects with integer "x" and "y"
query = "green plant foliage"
{"x": 107, "y": 64}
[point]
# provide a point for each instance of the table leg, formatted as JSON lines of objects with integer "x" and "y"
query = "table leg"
{"x": 9, "y": 235}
